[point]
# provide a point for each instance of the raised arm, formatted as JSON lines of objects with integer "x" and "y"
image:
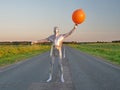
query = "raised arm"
{"x": 69, "y": 33}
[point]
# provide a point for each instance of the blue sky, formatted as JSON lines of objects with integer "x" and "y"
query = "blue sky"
{"x": 34, "y": 19}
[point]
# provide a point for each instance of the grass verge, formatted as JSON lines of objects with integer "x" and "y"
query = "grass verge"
{"x": 10, "y": 54}
{"x": 108, "y": 51}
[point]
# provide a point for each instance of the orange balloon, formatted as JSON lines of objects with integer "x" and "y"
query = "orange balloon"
{"x": 78, "y": 16}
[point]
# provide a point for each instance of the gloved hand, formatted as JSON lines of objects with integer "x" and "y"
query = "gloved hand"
{"x": 75, "y": 26}
{"x": 33, "y": 42}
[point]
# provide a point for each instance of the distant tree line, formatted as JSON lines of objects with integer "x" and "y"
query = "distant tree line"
{"x": 48, "y": 43}
{"x": 16, "y": 43}
{"x": 116, "y": 41}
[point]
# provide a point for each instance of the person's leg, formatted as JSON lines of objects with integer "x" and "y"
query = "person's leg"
{"x": 60, "y": 65}
{"x": 64, "y": 52}
{"x": 51, "y": 69}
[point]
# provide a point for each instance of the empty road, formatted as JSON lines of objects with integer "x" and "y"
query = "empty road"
{"x": 81, "y": 72}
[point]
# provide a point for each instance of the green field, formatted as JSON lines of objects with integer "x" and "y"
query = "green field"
{"x": 108, "y": 51}
{"x": 13, "y": 53}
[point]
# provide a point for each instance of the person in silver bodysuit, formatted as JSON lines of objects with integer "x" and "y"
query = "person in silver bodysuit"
{"x": 56, "y": 49}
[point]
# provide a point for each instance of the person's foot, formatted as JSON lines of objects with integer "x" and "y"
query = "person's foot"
{"x": 50, "y": 78}
{"x": 62, "y": 79}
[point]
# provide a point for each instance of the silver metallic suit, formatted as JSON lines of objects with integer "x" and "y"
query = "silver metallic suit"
{"x": 56, "y": 49}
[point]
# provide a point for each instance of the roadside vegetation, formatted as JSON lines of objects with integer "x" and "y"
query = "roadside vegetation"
{"x": 108, "y": 51}
{"x": 10, "y": 54}
{"x": 13, "y": 53}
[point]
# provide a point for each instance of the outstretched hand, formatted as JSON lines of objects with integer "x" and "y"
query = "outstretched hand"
{"x": 33, "y": 42}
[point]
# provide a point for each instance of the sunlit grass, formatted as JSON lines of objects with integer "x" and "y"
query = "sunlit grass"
{"x": 108, "y": 51}
{"x": 13, "y": 53}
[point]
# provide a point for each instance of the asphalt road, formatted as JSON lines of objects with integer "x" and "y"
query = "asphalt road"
{"x": 81, "y": 72}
